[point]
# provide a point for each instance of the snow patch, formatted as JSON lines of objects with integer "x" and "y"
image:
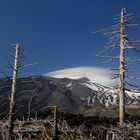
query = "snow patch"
{"x": 91, "y": 86}
{"x": 68, "y": 85}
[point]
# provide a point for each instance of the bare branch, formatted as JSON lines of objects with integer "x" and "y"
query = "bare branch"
{"x": 114, "y": 69}
{"x": 115, "y": 77}
{"x": 111, "y": 32}
{"x": 111, "y": 57}
{"x": 131, "y": 41}
{"x": 130, "y": 25}
{"x": 28, "y": 65}
{"x": 132, "y": 77}
{"x": 131, "y": 85}
{"x": 132, "y": 59}
{"x": 136, "y": 50}
{"x": 112, "y": 46}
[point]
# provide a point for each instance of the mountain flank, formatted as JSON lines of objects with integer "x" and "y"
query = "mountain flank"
{"x": 79, "y": 96}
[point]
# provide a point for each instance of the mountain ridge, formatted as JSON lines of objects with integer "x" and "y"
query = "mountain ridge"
{"x": 79, "y": 96}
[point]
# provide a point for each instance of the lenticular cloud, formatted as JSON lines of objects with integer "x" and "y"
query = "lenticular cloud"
{"x": 94, "y": 74}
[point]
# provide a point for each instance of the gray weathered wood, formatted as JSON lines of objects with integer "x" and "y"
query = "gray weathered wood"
{"x": 13, "y": 93}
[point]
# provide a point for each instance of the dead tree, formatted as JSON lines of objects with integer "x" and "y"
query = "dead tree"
{"x": 14, "y": 88}
{"x": 122, "y": 70}
{"x": 55, "y": 122}
{"x": 119, "y": 40}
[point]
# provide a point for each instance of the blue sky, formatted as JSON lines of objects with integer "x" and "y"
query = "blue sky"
{"x": 58, "y": 33}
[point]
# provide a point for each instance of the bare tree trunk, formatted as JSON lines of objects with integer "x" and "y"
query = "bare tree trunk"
{"x": 13, "y": 93}
{"x": 122, "y": 70}
{"x": 29, "y": 106}
{"x": 119, "y": 40}
{"x": 55, "y": 123}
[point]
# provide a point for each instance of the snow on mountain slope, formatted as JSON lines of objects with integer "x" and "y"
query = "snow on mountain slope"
{"x": 99, "y": 82}
{"x": 78, "y": 95}
{"x": 108, "y": 95}
{"x": 94, "y": 74}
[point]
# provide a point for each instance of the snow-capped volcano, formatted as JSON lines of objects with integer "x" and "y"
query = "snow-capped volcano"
{"x": 94, "y": 74}
{"x": 70, "y": 95}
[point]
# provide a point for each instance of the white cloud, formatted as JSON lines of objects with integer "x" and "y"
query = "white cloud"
{"x": 95, "y": 74}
